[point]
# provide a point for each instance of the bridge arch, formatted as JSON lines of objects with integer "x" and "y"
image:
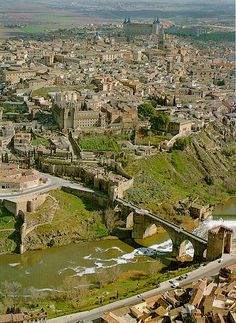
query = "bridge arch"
{"x": 145, "y": 223}
{"x": 150, "y": 230}
{"x": 130, "y": 220}
{"x": 186, "y": 249}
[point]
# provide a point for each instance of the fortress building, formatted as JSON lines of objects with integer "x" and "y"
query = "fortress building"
{"x": 138, "y": 29}
{"x": 72, "y": 112}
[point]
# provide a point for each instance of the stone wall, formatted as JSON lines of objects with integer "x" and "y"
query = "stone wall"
{"x": 92, "y": 179}
{"x": 36, "y": 202}
{"x": 15, "y": 206}
{"x": 101, "y": 200}
{"x": 117, "y": 167}
{"x": 27, "y": 227}
{"x": 29, "y": 204}
{"x": 23, "y": 233}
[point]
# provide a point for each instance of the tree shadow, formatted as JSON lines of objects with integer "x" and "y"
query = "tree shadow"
{"x": 15, "y": 236}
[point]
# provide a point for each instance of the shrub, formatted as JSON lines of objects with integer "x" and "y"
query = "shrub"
{"x": 181, "y": 143}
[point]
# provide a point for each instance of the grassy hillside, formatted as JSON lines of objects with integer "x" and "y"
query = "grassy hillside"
{"x": 74, "y": 220}
{"x": 9, "y": 231}
{"x": 201, "y": 171}
{"x": 99, "y": 143}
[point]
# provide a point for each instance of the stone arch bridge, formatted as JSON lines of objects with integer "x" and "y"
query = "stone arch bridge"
{"x": 142, "y": 223}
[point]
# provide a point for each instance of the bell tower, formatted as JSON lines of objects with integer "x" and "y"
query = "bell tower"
{"x": 156, "y": 26}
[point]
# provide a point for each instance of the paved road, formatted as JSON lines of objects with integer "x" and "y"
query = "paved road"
{"x": 53, "y": 182}
{"x": 210, "y": 269}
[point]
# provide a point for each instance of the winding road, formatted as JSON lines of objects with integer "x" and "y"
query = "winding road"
{"x": 52, "y": 182}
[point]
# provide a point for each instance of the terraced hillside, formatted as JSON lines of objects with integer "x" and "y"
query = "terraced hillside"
{"x": 202, "y": 171}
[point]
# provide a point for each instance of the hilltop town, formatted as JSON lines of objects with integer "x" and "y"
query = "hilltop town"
{"x": 122, "y": 130}
{"x": 146, "y": 92}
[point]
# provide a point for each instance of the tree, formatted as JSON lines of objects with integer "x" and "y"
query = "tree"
{"x": 146, "y": 110}
{"x": 165, "y": 103}
{"x": 181, "y": 143}
{"x": 6, "y": 158}
{"x": 160, "y": 122}
{"x": 74, "y": 291}
{"x": 112, "y": 220}
{"x": 174, "y": 101}
{"x": 158, "y": 100}
{"x": 220, "y": 82}
{"x": 209, "y": 180}
{"x": 11, "y": 291}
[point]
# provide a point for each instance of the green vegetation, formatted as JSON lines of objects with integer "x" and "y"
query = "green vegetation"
{"x": 182, "y": 143}
{"x": 9, "y": 241}
{"x": 107, "y": 288}
{"x": 152, "y": 139}
{"x": 99, "y": 143}
{"x": 218, "y": 37}
{"x": 160, "y": 121}
{"x": 7, "y": 220}
{"x": 37, "y": 140}
{"x": 14, "y": 107}
{"x": 146, "y": 110}
{"x": 158, "y": 100}
{"x": 74, "y": 220}
{"x": 219, "y": 82}
{"x": 189, "y": 172}
{"x": 54, "y": 18}
{"x": 35, "y": 29}
{"x": 9, "y": 236}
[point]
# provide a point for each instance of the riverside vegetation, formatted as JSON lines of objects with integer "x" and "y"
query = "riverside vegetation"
{"x": 81, "y": 294}
{"x": 199, "y": 167}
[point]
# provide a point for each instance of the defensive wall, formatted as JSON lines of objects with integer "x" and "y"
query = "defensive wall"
{"x": 24, "y": 204}
{"x": 114, "y": 186}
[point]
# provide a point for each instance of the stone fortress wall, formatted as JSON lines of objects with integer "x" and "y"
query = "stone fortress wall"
{"x": 19, "y": 207}
{"x": 111, "y": 185}
{"x": 135, "y": 29}
{"x": 28, "y": 204}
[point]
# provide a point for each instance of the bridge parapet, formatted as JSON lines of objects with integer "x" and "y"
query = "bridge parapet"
{"x": 144, "y": 224}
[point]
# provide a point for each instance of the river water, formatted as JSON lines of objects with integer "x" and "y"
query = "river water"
{"x": 49, "y": 268}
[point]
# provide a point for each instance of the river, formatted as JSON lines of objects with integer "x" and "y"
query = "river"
{"x": 49, "y": 268}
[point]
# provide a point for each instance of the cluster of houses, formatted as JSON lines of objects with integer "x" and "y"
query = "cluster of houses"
{"x": 203, "y": 301}
{"x": 96, "y": 84}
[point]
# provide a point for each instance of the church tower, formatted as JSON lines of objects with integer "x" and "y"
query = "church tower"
{"x": 156, "y": 26}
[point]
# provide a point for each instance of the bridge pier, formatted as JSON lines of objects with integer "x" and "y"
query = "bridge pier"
{"x": 145, "y": 224}
{"x": 175, "y": 249}
{"x": 142, "y": 226}
{"x": 199, "y": 251}
{"x": 138, "y": 225}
